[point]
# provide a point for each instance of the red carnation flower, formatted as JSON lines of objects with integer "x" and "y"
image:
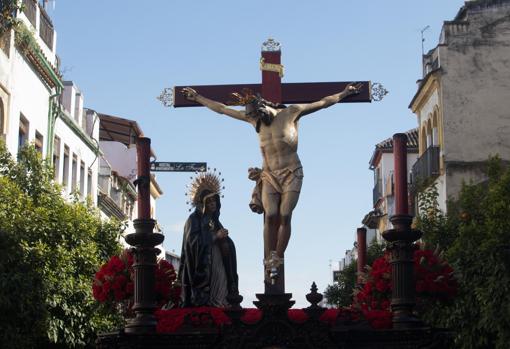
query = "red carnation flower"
{"x": 434, "y": 279}
{"x": 297, "y": 315}
{"x": 114, "y": 281}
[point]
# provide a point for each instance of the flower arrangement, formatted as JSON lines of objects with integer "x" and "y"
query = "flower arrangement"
{"x": 342, "y": 315}
{"x": 171, "y": 320}
{"x": 166, "y": 288}
{"x": 297, "y": 315}
{"x": 434, "y": 282}
{"x": 434, "y": 276}
{"x": 113, "y": 283}
{"x": 251, "y": 316}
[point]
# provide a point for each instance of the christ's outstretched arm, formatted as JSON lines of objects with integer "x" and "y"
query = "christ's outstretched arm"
{"x": 351, "y": 89}
{"x": 217, "y": 107}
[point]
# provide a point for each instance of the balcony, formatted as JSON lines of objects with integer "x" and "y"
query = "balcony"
{"x": 427, "y": 166}
{"x": 30, "y": 10}
{"x": 46, "y": 29}
{"x": 377, "y": 192}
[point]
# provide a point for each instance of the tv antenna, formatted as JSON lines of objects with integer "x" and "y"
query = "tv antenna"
{"x": 423, "y": 39}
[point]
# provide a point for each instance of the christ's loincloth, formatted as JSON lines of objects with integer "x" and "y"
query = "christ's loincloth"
{"x": 274, "y": 182}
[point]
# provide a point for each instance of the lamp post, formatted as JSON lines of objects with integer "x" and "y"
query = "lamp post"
{"x": 144, "y": 241}
{"x": 401, "y": 239}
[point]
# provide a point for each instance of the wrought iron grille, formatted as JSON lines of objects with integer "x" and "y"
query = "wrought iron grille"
{"x": 427, "y": 165}
{"x": 377, "y": 191}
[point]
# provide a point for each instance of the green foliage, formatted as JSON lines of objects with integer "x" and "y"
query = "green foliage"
{"x": 475, "y": 237}
{"x": 49, "y": 252}
{"x": 25, "y": 40}
{"x": 374, "y": 251}
{"x": 340, "y": 293}
{"x": 440, "y": 230}
{"x": 8, "y": 18}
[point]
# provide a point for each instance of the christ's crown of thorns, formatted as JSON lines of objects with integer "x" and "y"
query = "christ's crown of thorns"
{"x": 245, "y": 97}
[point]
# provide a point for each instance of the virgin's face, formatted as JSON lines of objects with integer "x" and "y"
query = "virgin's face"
{"x": 210, "y": 205}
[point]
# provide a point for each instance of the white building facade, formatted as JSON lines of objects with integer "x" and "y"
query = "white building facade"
{"x": 76, "y": 153}
{"x": 29, "y": 80}
{"x": 93, "y": 155}
{"x": 37, "y": 107}
{"x": 382, "y": 163}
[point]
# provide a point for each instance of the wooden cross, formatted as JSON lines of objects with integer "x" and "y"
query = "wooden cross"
{"x": 272, "y": 88}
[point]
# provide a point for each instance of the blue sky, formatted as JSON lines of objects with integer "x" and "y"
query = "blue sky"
{"x": 123, "y": 53}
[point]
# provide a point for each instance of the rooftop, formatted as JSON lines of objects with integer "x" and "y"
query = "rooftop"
{"x": 412, "y": 140}
{"x": 386, "y": 146}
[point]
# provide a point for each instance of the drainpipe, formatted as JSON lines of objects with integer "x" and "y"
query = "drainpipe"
{"x": 98, "y": 152}
{"x": 52, "y": 115}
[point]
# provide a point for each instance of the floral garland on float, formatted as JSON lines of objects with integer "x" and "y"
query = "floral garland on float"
{"x": 172, "y": 320}
{"x": 435, "y": 282}
{"x": 434, "y": 277}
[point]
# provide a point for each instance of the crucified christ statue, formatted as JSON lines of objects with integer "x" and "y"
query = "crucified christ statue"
{"x": 280, "y": 179}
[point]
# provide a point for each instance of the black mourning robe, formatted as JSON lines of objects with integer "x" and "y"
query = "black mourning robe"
{"x": 195, "y": 269}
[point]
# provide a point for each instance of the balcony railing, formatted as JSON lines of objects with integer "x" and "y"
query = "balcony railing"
{"x": 377, "y": 191}
{"x": 427, "y": 166}
{"x": 30, "y": 10}
{"x": 46, "y": 29}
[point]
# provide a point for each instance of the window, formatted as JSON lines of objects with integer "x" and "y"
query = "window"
{"x": 82, "y": 179}
{"x": 435, "y": 132}
{"x": 89, "y": 182}
{"x": 23, "y": 132}
{"x": 429, "y": 133}
{"x": 388, "y": 184}
{"x": 74, "y": 174}
{"x": 56, "y": 157}
{"x": 423, "y": 139}
{"x": 65, "y": 176}
{"x": 2, "y": 117}
{"x": 377, "y": 175}
{"x": 39, "y": 142}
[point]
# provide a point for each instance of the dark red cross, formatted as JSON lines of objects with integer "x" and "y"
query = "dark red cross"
{"x": 273, "y": 90}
